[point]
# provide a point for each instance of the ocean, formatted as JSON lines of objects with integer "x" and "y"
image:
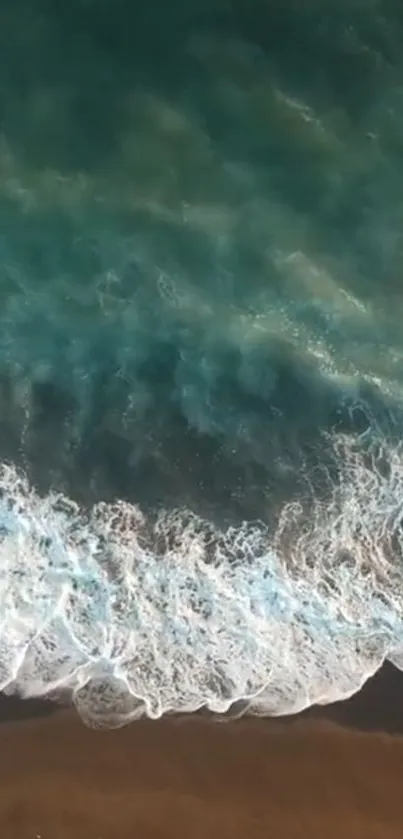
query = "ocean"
{"x": 201, "y": 353}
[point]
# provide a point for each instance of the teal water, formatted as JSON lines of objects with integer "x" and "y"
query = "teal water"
{"x": 201, "y": 354}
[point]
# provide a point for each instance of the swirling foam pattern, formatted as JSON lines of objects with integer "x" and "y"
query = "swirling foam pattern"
{"x": 138, "y": 617}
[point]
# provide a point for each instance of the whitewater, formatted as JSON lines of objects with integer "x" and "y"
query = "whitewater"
{"x": 136, "y": 617}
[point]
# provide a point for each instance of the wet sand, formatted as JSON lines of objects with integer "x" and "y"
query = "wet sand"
{"x": 195, "y": 778}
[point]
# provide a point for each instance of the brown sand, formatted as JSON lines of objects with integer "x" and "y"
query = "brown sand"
{"x": 195, "y": 779}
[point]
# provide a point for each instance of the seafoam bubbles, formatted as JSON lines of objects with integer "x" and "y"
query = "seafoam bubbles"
{"x": 132, "y": 615}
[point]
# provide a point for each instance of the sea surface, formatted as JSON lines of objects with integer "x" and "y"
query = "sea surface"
{"x": 201, "y": 352}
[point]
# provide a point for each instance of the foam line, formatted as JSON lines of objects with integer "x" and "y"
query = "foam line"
{"x": 136, "y": 617}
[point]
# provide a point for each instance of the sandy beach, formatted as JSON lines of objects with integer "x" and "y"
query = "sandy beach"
{"x": 195, "y": 778}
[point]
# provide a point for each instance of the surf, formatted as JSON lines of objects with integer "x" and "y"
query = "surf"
{"x": 134, "y": 614}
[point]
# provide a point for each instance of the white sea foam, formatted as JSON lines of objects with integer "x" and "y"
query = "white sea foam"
{"x": 136, "y": 617}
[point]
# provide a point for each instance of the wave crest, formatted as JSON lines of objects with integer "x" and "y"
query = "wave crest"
{"x": 134, "y": 615}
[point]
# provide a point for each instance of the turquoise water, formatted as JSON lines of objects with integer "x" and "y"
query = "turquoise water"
{"x": 201, "y": 354}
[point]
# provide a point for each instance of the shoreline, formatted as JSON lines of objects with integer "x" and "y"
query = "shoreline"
{"x": 190, "y": 778}
{"x": 376, "y": 707}
{"x": 302, "y": 777}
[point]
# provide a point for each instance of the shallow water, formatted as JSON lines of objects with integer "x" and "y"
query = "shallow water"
{"x": 200, "y": 238}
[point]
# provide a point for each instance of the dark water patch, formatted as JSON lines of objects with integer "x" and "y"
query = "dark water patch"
{"x": 200, "y": 244}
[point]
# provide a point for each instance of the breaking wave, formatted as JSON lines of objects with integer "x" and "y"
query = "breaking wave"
{"x": 201, "y": 315}
{"x": 137, "y": 615}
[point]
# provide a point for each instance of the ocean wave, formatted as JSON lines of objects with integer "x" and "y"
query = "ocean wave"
{"x": 134, "y": 614}
{"x": 200, "y": 313}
